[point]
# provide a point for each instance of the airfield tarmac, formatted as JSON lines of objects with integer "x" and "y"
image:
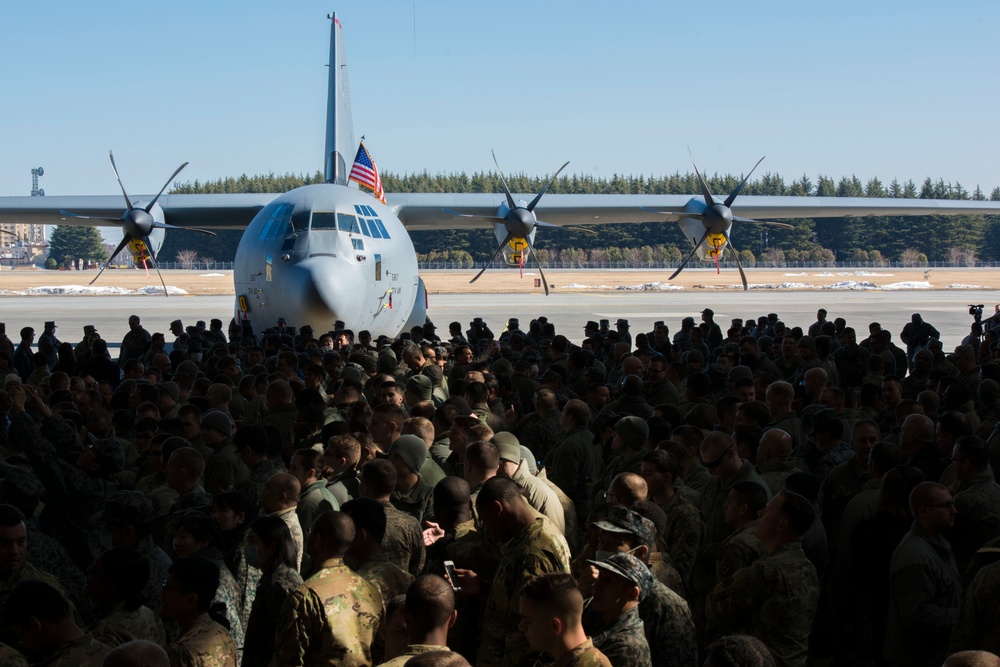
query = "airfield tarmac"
{"x": 946, "y": 309}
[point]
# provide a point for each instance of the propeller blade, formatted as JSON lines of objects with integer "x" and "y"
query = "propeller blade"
{"x": 494, "y": 257}
{"x": 545, "y": 283}
{"x": 762, "y": 222}
{"x": 684, "y": 214}
{"x": 585, "y": 230}
{"x": 87, "y": 217}
{"x": 128, "y": 202}
{"x": 112, "y": 258}
{"x": 542, "y": 223}
{"x": 149, "y": 206}
{"x": 704, "y": 186}
{"x": 164, "y": 225}
{"x": 732, "y": 196}
{"x": 510, "y": 199}
{"x": 689, "y": 256}
{"x": 534, "y": 202}
{"x": 4, "y": 231}
{"x": 152, "y": 260}
{"x": 739, "y": 264}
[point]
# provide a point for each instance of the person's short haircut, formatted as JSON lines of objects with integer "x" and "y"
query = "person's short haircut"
{"x": 739, "y": 651}
{"x": 388, "y": 412}
{"x": 10, "y": 516}
{"x": 368, "y": 514}
{"x": 335, "y": 530}
{"x": 547, "y": 398}
{"x": 665, "y": 462}
{"x": 691, "y": 436}
{"x": 632, "y": 484}
{"x": 199, "y": 576}
{"x": 253, "y": 437}
{"x": 756, "y": 411}
{"x": 975, "y": 451}
{"x": 653, "y": 512}
{"x": 344, "y": 447}
{"x": 499, "y": 490}
{"x": 577, "y": 410}
{"x": 782, "y": 390}
{"x": 955, "y": 424}
{"x": 799, "y": 512}
{"x": 380, "y": 476}
{"x": 430, "y": 601}
{"x": 557, "y": 594}
{"x": 32, "y": 598}
{"x": 128, "y": 570}
{"x": 885, "y": 456}
{"x": 483, "y": 455}
{"x": 479, "y": 432}
{"x": 192, "y": 460}
{"x": 420, "y": 427}
{"x": 451, "y": 496}
{"x": 311, "y": 459}
{"x": 751, "y": 494}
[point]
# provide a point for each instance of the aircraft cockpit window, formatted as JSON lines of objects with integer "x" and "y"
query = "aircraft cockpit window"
{"x": 300, "y": 222}
{"x": 364, "y": 226}
{"x": 381, "y": 228}
{"x": 348, "y": 223}
{"x": 359, "y": 244}
{"x": 323, "y": 221}
{"x": 276, "y": 222}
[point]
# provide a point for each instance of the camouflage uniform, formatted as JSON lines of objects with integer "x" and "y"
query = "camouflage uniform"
{"x": 403, "y": 541}
{"x": 978, "y": 623}
{"x": 74, "y": 496}
{"x": 230, "y": 595}
{"x": 669, "y": 627}
{"x": 291, "y": 519}
{"x": 272, "y": 591}
{"x": 738, "y": 551}
{"x": 385, "y": 574}
{"x": 253, "y": 486}
{"x": 540, "y": 434}
{"x": 662, "y": 569}
{"x": 10, "y": 657}
{"x": 418, "y": 502}
{"x": 682, "y": 536}
{"x": 584, "y": 655}
{"x": 410, "y": 651}
{"x": 835, "y": 456}
{"x": 978, "y": 518}
{"x": 775, "y": 471}
{"x": 225, "y": 469}
{"x": 623, "y": 641}
{"x": 696, "y": 479}
{"x": 25, "y": 572}
{"x": 205, "y": 644}
{"x": 47, "y": 554}
{"x": 539, "y": 548}
{"x": 331, "y": 619}
{"x": 120, "y": 626}
{"x": 159, "y": 563}
{"x": 82, "y": 652}
{"x": 573, "y": 464}
{"x": 774, "y": 599}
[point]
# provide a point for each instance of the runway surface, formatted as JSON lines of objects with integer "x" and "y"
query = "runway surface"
{"x": 946, "y": 310}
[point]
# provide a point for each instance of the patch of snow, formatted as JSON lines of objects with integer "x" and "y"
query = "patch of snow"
{"x": 911, "y": 284}
{"x": 211, "y": 275}
{"x": 852, "y": 285}
{"x": 796, "y": 274}
{"x": 650, "y": 287}
{"x": 158, "y": 289}
{"x": 961, "y": 286}
{"x": 90, "y": 290}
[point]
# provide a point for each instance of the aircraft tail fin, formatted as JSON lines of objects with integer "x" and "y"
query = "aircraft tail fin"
{"x": 339, "y": 122}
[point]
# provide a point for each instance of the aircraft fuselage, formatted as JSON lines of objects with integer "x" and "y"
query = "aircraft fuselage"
{"x": 323, "y": 253}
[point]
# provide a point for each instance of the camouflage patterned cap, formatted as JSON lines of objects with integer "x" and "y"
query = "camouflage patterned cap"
{"x": 20, "y": 487}
{"x": 127, "y": 508}
{"x": 622, "y": 520}
{"x": 109, "y": 454}
{"x": 628, "y": 566}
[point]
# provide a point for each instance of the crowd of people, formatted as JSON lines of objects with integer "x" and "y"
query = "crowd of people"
{"x": 767, "y": 494}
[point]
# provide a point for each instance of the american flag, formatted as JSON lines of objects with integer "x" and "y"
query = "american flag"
{"x": 365, "y": 173}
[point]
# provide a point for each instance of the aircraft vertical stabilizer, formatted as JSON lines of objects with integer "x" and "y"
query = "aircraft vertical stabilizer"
{"x": 339, "y": 123}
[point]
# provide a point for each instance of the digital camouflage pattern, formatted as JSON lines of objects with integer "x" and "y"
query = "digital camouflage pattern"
{"x": 386, "y": 575}
{"x": 669, "y": 627}
{"x": 273, "y": 589}
{"x": 774, "y": 599}
{"x": 584, "y": 655}
{"x": 120, "y": 626}
{"x": 82, "y": 652}
{"x": 738, "y": 551}
{"x": 623, "y": 641}
{"x": 403, "y": 541}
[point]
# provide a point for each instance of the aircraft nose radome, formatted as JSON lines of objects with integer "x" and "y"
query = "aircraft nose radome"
{"x": 330, "y": 289}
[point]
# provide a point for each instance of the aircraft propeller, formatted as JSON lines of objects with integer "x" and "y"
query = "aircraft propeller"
{"x": 519, "y": 222}
{"x": 718, "y": 219}
{"x": 137, "y": 223}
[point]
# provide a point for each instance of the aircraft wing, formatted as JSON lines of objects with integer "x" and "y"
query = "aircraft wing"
{"x": 213, "y": 211}
{"x": 421, "y": 211}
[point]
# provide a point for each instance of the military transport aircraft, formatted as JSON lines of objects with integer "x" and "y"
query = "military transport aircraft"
{"x": 331, "y": 251}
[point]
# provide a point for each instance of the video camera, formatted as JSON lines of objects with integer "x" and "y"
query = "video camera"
{"x": 976, "y": 310}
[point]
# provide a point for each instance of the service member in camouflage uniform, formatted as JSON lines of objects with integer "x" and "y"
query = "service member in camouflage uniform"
{"x": 430, "y": 613}
{"x": 187, "y": 599}
{"x": 333, "y": 617}
{"x": 545, "y": 599}
{"x": 775, "y": 598}
{"x": 613, "y": 621}
{"x": 742, "y": 547}
{"x": 404, "y": 540}
{"x": 532, "y": 546}
{"x": 42, "y": 617}
{"x": 116, "y": 584}
{"x": 365, "y": 555}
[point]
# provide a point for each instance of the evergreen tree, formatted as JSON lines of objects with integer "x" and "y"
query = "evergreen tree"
{"x": 70, "y": 243}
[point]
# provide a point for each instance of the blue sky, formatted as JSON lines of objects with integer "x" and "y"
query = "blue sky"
{"x": 887, "y": 89}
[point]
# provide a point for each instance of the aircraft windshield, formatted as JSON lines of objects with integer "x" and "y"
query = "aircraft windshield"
{"x": 324, "y": 220}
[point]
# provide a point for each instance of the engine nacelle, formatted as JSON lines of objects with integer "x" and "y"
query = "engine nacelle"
{"x": 514, "y": 253}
